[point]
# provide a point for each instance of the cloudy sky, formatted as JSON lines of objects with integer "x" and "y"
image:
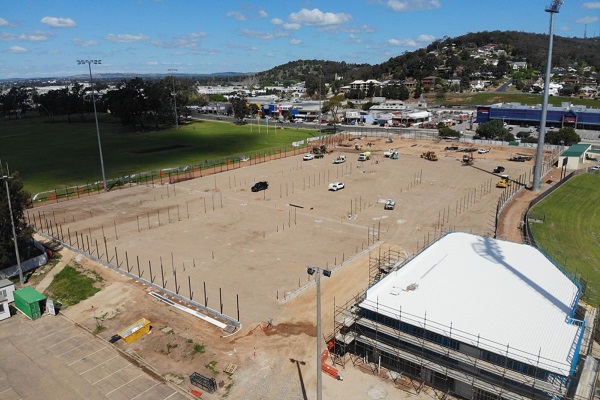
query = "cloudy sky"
{"x": 41, "y": 38}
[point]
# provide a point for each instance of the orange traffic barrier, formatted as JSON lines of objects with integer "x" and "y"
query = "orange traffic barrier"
{"x": 328, "y": 369}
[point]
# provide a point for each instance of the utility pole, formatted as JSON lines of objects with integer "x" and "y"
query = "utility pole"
{"x": 174, "y": 99}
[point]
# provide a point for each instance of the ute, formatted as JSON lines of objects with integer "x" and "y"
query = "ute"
{"x": 339, "y": 160}
{"x": 389, "y": 204}
{"x": 389, "y": 153}
{"x": 336, "y": 186}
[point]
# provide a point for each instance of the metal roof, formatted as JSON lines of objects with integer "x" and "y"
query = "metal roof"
{"x": 495, "y": 295}
{"x": 576, "y": 150}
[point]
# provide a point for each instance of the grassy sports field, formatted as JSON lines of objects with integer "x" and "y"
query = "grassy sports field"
{"x": 570, "y": 234}
{"x": 57, "y": 154}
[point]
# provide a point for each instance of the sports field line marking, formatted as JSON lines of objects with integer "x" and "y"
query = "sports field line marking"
{"x": 151, "y": 387}
{"x": 86, "y": 356}
{"x": 125, "y": 384}
{"x": 108, "y": 376}
{"x": 97, "y": 365}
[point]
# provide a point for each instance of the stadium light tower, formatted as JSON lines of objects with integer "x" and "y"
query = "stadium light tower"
{"x": 327, "y": 273}
{"x": 174, "y": 99}
{"x": 539, "y": 158}
{"x": 89, "y": 63}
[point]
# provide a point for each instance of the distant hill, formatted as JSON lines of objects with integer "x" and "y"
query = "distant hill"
{"x": 448, "y": 57}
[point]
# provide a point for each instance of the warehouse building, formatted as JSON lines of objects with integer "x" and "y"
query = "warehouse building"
{"x": 475, "y": 317}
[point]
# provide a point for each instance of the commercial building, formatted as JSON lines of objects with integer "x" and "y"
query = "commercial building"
{"x": 475, "y": 317}
{"x": 580, "y": 117}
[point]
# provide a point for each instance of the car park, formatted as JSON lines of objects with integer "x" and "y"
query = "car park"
{"x": 308, "y": 157}
{"x": 261, "y": 185}
{"x": 336, "y": 186}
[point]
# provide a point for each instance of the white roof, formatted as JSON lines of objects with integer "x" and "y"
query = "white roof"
{"x": 493, "y": 294}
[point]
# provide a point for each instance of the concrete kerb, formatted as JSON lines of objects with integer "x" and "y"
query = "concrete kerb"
{"x": 213, "y": 313}
{"x": 299, "y": 291}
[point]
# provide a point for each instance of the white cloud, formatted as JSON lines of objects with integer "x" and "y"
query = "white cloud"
{"x": 317, "y": 17}
{"x": 413, "y": 5}
{"x": 56, "y": 22}
{"x": 421, "y": 40}
{"x": 295, "y": 41}
{"x": 3, "y": 22}
{"x": 36, "y": 36}
{"x": 262, "y": 35}
{"x": 263, "y": 14}
{"x": 587, "y": 20}
{"x": 591, "y": 5}
{"x": 237, "y": 15}
{"x": 125, "y": 38}
{"x": 85, "y": 43}
{"x": 185, "y": 41}
{"x": 291, "y": 26}
{"x": 276, "y": 21}
{"x": 564, "y": 28}
{"x": 17, "y": 49}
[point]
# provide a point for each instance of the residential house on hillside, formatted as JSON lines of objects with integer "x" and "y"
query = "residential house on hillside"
{"x": 519, "y": 65}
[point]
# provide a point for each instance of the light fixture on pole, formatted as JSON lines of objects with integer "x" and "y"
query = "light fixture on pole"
{"x": 89, "y": 63}
{"x": 5, "y": 178}
{"x": 174, "y": 99}
{"x": 327, "y": 273}
{"x": 539, "y": 158}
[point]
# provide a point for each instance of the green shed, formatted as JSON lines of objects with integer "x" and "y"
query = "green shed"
{"x": 29, "y": 302}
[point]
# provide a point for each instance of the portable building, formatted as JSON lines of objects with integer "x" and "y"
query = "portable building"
{"x": 30, "y": 302}
{"x": 4, "y": 309}
{"x": 7, "y": 289}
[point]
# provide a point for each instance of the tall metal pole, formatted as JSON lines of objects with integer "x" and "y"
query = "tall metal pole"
{"x": 89, "y": 63}
{"x": 175, "y": 101}
{"x": 320, "y": 107}
{"x": 12, "y": 221}
{"x": 319, "y": 373}
{"x": 539, "y": 158}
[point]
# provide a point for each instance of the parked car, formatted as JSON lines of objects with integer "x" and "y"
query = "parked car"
{"x": 261, "y": 185}
{"x": 336, "y": 186}
{"x": 499, "y": 169}
{"x": 483, "y": 151}
{"x": 319, "y": 155}
{"x": 596, "y": 168}
{"x": 389, "y": 204}
{"x": 308, "y": 157}
{"x": 339, "y": 160}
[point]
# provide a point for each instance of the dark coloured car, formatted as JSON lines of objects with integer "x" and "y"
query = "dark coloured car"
{"x": 319, "y": 155}
{"x": 258, "y": 186}
{"x": 499, "y": 169}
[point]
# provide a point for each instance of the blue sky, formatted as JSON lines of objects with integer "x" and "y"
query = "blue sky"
{"x": 41, "y": 38}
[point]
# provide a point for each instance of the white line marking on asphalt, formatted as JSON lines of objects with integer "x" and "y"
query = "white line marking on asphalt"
{"x": 156, "y": 384}
{"x": 87, "y": 370}
{"x": 125, "y": 384}
{"x": 108, "y": 376}
{"x": 86, "y": 356}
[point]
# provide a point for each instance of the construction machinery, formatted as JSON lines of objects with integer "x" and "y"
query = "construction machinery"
{"x": 504, "y": 182}
{"x": 467, "y": 159}
{"x": 430, "y": 155}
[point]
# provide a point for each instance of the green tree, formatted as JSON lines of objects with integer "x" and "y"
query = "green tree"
{"x": 239, "y": 106}
{"x": 564, "y": 136}
{"x": 493, "y": 129}
{"x": 18, "y": 201}
{"x": 332, "y": 106}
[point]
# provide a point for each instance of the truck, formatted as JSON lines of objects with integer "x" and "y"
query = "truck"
{"x": 339, "y": 160}
{"x": 364, "y": 156}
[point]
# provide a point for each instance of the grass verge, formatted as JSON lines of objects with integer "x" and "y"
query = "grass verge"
{"x": 73, "y": 284}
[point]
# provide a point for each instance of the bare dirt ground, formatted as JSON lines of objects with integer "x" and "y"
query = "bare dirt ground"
{"x": 254, "y": 248}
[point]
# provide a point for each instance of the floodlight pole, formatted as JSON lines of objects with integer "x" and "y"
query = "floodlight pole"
{"x": 539, "y": 158}
{"x": 89, "y": 63}
{"x": 12, "y": 221}
{"x": 174, "y": 100}
{"x": 326, "y": 272}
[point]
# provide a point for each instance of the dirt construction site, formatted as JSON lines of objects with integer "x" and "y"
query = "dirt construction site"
{"x": 245, "y": 255}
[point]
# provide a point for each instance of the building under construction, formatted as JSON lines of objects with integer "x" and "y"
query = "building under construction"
{"x": 474, "y": 317}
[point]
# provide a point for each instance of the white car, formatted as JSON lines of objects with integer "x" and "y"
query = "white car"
{"x": 389, "y": 204}
{"x": 308, "y": 157}
{"x": 596, "y": 168}
{"x": 336, "y": 186}
{"x": 483, "y": 151}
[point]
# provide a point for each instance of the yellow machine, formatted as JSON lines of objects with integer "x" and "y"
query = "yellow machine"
{"x": 504, "y": 182}
{"x": 430, "y": 155}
